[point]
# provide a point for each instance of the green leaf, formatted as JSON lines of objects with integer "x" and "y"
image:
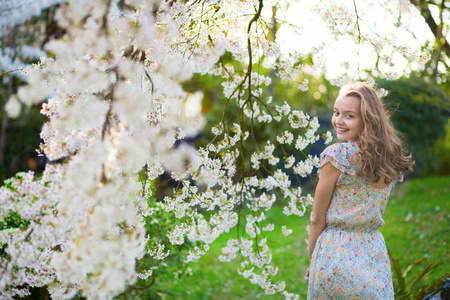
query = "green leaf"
{"x": 415, "y": 281}
{"x": 398, "y": 273}
{"x": 410, "y": 267}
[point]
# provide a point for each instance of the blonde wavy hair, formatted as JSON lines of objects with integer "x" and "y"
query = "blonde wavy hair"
{"x": 381, "y": 150}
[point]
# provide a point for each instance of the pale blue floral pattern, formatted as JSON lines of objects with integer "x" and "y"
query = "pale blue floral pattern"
{"x": 350, "y": 259}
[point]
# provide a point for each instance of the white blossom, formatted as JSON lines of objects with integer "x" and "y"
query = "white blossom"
{"x": 268, "y": 227}
{"x": 290, "y": 161}
{"x": 301, "y": 143}
{"x": 13, "y": 107}
{"x": 328, "y": 137}
{"x": 286, "y": 231}
{"x": 298, "y": 119}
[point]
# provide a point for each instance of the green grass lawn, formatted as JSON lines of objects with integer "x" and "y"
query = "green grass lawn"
{"x": 417, "y": 226}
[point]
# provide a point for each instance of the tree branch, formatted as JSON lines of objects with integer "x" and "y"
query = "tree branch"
{"x": 424, "y": 10}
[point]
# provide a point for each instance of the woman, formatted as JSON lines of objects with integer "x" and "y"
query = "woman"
{"x": 348, "y": 257}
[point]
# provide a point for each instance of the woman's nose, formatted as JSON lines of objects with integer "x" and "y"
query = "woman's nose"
{"x": 339, "y": 119}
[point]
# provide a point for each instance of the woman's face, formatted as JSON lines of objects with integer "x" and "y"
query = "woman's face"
{"x": 347, "y": 119}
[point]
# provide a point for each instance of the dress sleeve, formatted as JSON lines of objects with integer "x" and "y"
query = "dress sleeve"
{"x": 337, "y": 155}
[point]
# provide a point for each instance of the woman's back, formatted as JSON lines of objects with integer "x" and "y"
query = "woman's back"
{"x": 356, "y": 204}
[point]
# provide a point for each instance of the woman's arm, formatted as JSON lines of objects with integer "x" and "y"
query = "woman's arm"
{"x": 324, "y": 191}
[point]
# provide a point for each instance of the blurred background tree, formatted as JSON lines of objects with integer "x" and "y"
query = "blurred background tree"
{"x": 420, "y": 110}
{"x": 19, "y": 138}
{"x": 437, "y": 14}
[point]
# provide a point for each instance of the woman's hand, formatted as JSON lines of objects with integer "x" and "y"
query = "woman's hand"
{"x": 307, "y": 274}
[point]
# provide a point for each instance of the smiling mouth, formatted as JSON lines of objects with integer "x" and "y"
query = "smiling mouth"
{"x": 341, "y": 130}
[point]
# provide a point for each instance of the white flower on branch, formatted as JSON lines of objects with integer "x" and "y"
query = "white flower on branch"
{"x": 196, "y": 253}
{"x": 159, "y": 253}
{"x": 269, "y": 227}
{"x": 286, "y": 137}
{"x": 303, "y": 168}
{"x": 13, "y": 107}
{"x": 289, "y": 161}
{"x": 301, "y": 143}
{"x": 304, "y": 85}
{"x": 230, "y": 251}
{"x": 145, "y": 274}
{"x": 298, "y": 119}
{"x": 328, "y": 137}
{"x": 290, "y": 296}
{"x": 286, "y": 231}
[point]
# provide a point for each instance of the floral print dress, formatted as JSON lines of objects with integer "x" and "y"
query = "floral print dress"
{"x": 350, "y": 259}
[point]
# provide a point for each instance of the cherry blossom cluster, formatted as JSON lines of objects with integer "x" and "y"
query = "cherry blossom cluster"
{"x": 29, "y": 235}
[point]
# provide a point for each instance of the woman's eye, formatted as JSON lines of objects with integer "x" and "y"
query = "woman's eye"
{"x": 349, "y": 116}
